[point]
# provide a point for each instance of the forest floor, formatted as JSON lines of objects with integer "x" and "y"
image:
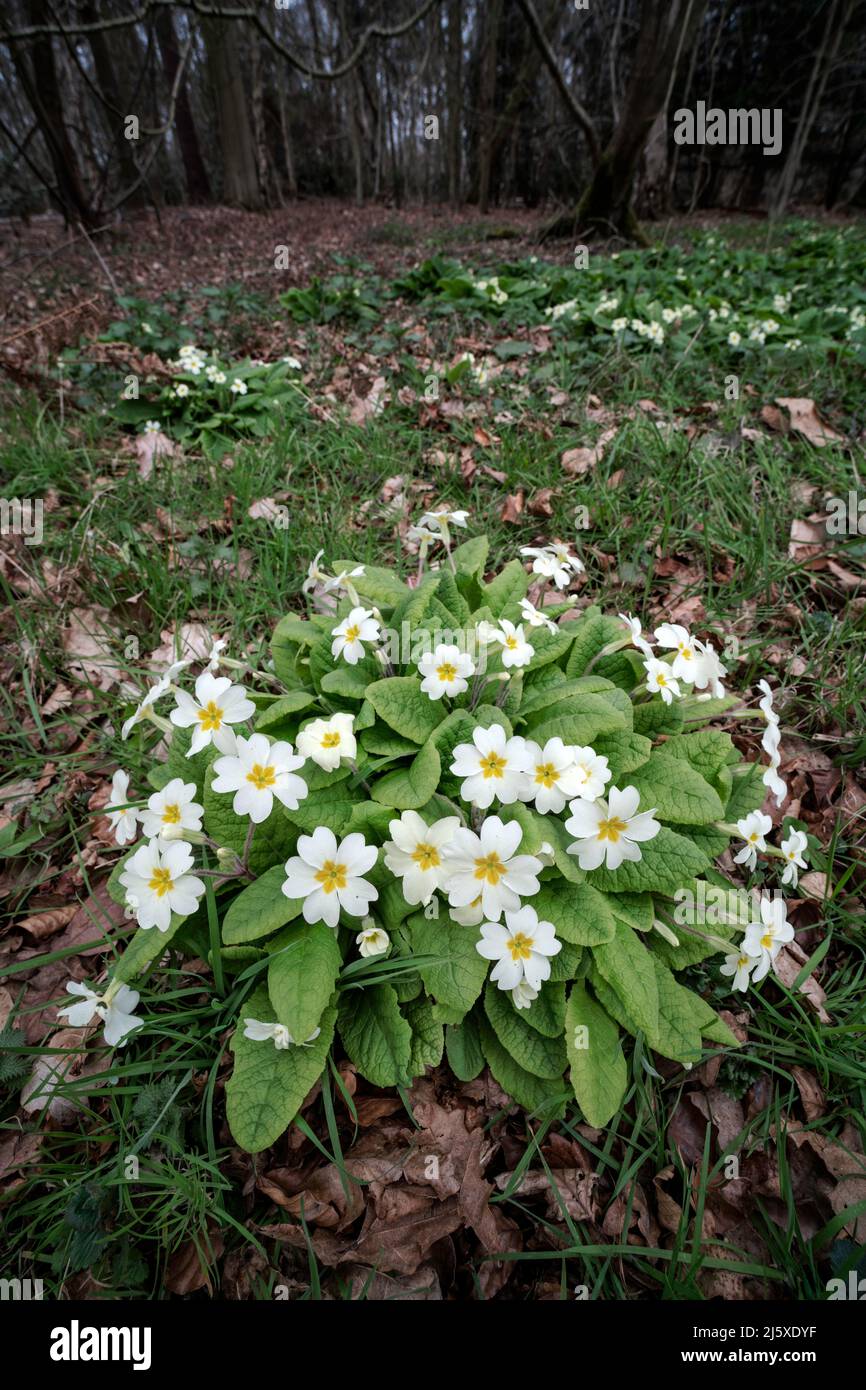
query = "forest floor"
{"x": 688, "y": 501}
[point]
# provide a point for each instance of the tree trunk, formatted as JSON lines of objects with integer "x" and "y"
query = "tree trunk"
{"x": 667, "y": 31}
{"x": 453, "y": 98}
{"x": 241, "y": 186}
{"x": 487, "y": 99}
{"x": 197, "y": 182}
{"x": 37, "y": 72}
{"x": 106, "y": 73}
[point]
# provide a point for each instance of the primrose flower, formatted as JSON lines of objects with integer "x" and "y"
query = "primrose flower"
{"x": 351, "y": 634}
{"x": 217, "y": 703}
{"x": 329, "y": 876}
{"x": 340, "y": 581}
{"x": 551, "y": 777}
{"x": 554, "y": 562}
{"x": 314, "y": 574}
{"x": 257, "y": 772}
{"x": 487, "y": 865}
{"x": 116, "y": 1007}
{"x": 147, "y": 701}
{"x": 122, "y": 818}
{"x": 326, "y": 741}
{"x": 491, "y": 766}
{"x": 522, "y": 949}
{"x": 609, "y": 831}
{"x": 445, "y": 671}
{"x": 534, "y": 616}
{"x": 793, "y": 848}
{"x": 292, "y": 363}
{"x": 660, "y": 679}
{"x": 414, "y": 854}
{"x": 158, "y": 883}
{"x": 181, "y": 390}
{"x": 767, "y": 937}
{"x": 442, "y": 519}
{"x": 277, "y": 1033}
{"x": 174, "y": 806}
{"x": 734, "y": 338}
{"x": 708, "y": 669}
{"x": 523, "y": 995}
{"x": 740, "y": 965}
{"x": 591, "y": 772}
{"x": 674, "y": 637}
{"x": 152, "y": 427}
{"x": 636, "y": 632}
{"x": 373, "y": 940}
{"x": 238, "y": 387}
{"x": 753, "y": 828}
{"x": 516, "y": 651}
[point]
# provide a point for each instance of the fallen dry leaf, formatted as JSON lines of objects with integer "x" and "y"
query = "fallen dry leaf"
{"x": 806, "y": 421}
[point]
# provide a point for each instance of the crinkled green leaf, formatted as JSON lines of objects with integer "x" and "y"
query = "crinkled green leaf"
{"x": 267, "y": 1086}
{"x": 580, "y": 914}
{"x": 629, "y": 969}
{"x": 407, "y": 788}
{"x": 598, "y": 1071}
{"x": 535, "y": 1053}
{"x": 302, "y": 974}
{"x": 676, "y": 791}
{"x": 405, "y": 708}
{"x": 375, "y": 1034}
{"x": 457, "y": 979}
{"x": 260, "y": 908}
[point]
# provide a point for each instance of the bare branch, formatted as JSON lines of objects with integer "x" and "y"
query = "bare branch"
{"x": 373, "y": 31}
{"x": 580, "y": 114}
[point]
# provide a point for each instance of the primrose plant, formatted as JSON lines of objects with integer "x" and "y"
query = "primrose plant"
{"x": 454, "y": 817}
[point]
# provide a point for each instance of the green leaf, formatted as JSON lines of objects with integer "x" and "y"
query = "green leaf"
{"x": 350, "y": 681}
{"x": 405, "y": 708}
{"x": 283, "y": 708}
{"x": 580, "y": 914}
{"x": 592, "y": 631}
{"x": 457, "y": 978}
{"x": 535, "y": 1053}
{"x": 544, "y": 1098}
{"x": 471, "y": 557}
{"x": 145, "y": 946}
{"x": 546, "y": 1014}
{"x": 592, "y": 716}
{"x": 407, "y": 788}
{"x": 507, "y": 589}
{"x": 681, "y": 1013}
{"x": 539, "y": 696}
{"x": 629, "y": 969}
{"x": 331, "y": 806}
{"x": 624, "y": 752}
{"x": 463, "y": 1049}
{"x": 667, "y": 862}
{"x": 598, "y": 1071}
{"x": 747, "y": 794}
{"x": 676, "y": 791}
{"x": 654, "y": 717}
{"x": 260, "y": 908}
{"x": 267, "y": 1087}
{"x": 375, "y": 1034}
{"x": 302, "y": 975}
{"x": 428, "y": 1036}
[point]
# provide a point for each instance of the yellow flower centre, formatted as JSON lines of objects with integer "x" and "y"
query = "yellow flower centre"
{"x": 767, "y": 940}
{"x": 171, "y": 814}
{"x": 685, "y": 652}
{"x": 742, "y": 960}
{"x": 490, "y": 868}
{"x": 353, "y": 633}
{"x": 446, "y": 672}
{"x": 492, "y": 765}
{"x": 611, "y": 829}
{"x": 160, "y": 882}
{"x": 520, "y": 946}
{"x": 660, "y": 678}
{"x": 331, "y": 740}
{"x": 511, "y": 643}
{"x": 753, "y": 838}
{"x": 262, "y": 777}
{"x": 545, "y": 775}
{"x": 210, "y": 716}
{"x": 331, "y": 875}
{"x": 427, "y": 856}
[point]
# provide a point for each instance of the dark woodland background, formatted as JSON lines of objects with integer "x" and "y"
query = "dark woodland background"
{"x": 537, "y": 101}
